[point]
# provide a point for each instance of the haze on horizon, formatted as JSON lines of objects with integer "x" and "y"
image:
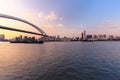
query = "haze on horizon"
{"x": 63, "y": 17}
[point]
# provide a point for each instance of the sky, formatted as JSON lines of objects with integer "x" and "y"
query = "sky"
{"x": 63, "y": 17}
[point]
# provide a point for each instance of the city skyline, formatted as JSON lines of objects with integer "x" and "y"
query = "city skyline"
{"x": 61, "y": 18}
{"x": 84, "y": 37}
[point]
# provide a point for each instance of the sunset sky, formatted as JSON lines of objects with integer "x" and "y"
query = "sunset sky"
{"x": 63, "y": 17}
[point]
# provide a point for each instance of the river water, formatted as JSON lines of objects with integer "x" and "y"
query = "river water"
{"x": 60, "y": 61}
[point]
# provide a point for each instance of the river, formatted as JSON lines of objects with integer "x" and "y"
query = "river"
{"x": 60, "y": 61}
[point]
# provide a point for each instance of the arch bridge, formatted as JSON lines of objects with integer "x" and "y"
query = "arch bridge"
{"x": 42, "y": 33}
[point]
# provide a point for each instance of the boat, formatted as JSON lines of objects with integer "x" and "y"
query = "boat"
{"x": 87, "y": 40}
{"x": 28, "y": 42}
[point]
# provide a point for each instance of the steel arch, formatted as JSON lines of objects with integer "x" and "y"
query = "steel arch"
{"x": 24, "y": 21}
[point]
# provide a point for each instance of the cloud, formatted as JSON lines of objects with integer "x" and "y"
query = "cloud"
{"x": 52, "y": 24}
{"x": 61, "y": 19}
{"x": 116, "y": 26}
{"x": 107, "y": 26}
{"x": 40, "y": 15}
{"x": 51, "y": 16}
{"x": 60, "y": 25}
{"x": 108, "y": 21}
{"x": 48, "y": 25}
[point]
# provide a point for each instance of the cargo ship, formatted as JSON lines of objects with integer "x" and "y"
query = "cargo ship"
{"x": 28, "y": 42}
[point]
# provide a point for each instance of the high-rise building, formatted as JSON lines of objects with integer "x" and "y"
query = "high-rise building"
{"x": 2, "y": 37}
{"x": 88, "y": 36}
{"x": 25, "y": 38}
{"x": 84, "y": 35}
{"x": 58, "y": 38}
{"x": 20, "y": 37}
{"x": 111, "y": 37}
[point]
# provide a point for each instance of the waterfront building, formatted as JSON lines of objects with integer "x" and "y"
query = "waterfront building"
{"x": 58, "y": 38}
{"x": 49, "y": 38}
{"x": 88, "y": 37}
{"x": 20, "y": 37}
{"x": 17, "y": 39}
{"x": 84, "y": 35}
{"x": 2, "y": 37}
{"x": 110, "y": 37}
{"x": 25, "y": 38}
{"x": 104, "y": 36}
{"x": 95, "y": 37}
{"x": 33, "y": 39}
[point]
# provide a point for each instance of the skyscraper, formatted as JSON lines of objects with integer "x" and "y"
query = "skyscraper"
{"x": 84, "y": 35}
{"x": 2, "y": 37}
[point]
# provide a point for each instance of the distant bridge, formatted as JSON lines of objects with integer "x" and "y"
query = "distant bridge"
{"x": 42, "y": 33}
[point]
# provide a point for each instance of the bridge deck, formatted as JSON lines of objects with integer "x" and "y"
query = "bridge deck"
{"x": 18, "y": 30}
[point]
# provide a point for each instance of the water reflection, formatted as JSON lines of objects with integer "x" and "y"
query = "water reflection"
{"x": 60, "y": 61}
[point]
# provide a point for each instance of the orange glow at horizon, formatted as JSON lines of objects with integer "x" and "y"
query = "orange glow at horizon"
{"x": 15, "y": 8}
{"x": 15, "y": 24}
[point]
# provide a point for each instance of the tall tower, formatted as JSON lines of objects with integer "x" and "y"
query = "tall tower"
{"x": 84, "y": 35}
{"x": 2, "y": 37}
{"x": 20, "y": 37}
